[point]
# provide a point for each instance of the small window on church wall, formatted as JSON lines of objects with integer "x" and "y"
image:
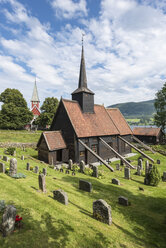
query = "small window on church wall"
{"x": 94, "y": 148}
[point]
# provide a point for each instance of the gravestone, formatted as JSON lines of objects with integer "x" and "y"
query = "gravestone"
{"x": 158, "y": 161}
{"x": 14, "y": 153}
{"x": 140, "y": 163}
{"x": 67, "y": 171}
{"x": 5, "y": 158}
{"x": 2, "y": 168}
{"x": 138, "y": 170}
{"x": 28, "y": 166}
{"x": 8, "y": 220}
{"x": 45, "y": 171}
{"x": 42, "y": 182}
{"x": 36, "y": 169}
{"x": 13, "y": 166}
{"x": 84, "y": 185}
{"x": 95, "y": 171}
{"x": 115, "y": 181}
{"x": 164, "y": 176}
{"x": 70, "y": 164}
{"x": 117, "y": 166}
{"x": 102, "y": 211}
{"x": 60, "y": 196}
{"x": 127, "y": 173}
{"x": 123, "y": 201}
{"x": 0, "y": 157}
{"x": 121, "y": 162}
{"x": 22, "y": 157}
{"x": 146, "y": 167}
{"x": 82, "y": 166}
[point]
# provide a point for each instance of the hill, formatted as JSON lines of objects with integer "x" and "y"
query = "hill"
{"x": 136, "y": 109}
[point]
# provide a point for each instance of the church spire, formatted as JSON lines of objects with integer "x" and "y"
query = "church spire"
{"x": 82, "y": 77}
{"x": 35, "y": 97}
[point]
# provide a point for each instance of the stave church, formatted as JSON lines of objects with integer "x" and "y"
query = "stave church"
{"x": 80, "y": 129}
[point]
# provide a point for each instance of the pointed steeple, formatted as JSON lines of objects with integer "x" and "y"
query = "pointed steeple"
{"x": 83, "y": 95}
{"x": 35, "y": 97}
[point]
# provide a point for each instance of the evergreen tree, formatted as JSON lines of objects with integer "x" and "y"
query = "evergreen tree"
{"x": 48, "y": 109}
{"x": 160, "y": 105}
{"x": 14, "y": 113}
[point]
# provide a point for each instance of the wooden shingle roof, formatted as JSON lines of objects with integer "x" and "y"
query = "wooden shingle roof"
{"x": 146, "y": 131}
{"x": 94, "y": 124}
{"x": 54, "y": 140}
{"x": 119, "y": 121}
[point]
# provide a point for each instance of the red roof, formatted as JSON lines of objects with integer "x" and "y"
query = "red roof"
{"x": 98, "y": 123}
{"x": 146, "y": 131}
{"x": 119, "y": 121}
{"x": 54, "y": 140}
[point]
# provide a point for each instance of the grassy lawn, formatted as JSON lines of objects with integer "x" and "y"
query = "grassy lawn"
{"x": 48, "y": 223}
{"x": 19, "y": 136}
{"x": 133, "y": 120}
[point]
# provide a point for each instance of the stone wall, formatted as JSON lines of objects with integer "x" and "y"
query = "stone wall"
{"x": 17, "y": 145}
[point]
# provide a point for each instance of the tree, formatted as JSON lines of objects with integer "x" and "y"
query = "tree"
{"x": 48, "y": 109}
{"x": 14, "y": 113}
{"x": 160, "y": 106}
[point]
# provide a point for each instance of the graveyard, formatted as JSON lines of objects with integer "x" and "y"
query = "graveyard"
{"x": 46, "y": 222}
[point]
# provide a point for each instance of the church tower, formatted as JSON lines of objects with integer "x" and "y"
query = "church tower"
{"x": 35, "y": 102}
{"x": 82, "y": 94}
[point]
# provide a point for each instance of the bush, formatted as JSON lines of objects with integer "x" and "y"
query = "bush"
{"x": 88, "y": 171}
{"x": 101, "y": 174}
{"x": 153, "y": 176}
{"x": 31, "y": 168}
{"x": 10, "y": 150}
{"x": 7, "y": 170}
{"x": 75, "y": 167}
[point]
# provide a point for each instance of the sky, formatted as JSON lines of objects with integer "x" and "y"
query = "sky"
{"x": 124, "y": 46}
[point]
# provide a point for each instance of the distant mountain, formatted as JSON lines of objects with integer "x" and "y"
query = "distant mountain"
{"x": 136, "y": 109}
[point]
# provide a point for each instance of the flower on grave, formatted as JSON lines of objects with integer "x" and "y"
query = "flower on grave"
{"x": 18, "y": 218}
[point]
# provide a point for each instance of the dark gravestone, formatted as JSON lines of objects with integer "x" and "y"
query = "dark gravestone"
{"x": 84, "y": 185}
{"x": 70, "y": 164}
{"x": 102, "y": 211}
{"x": 118, "y": 166}
{"x": 60, "y": 196}
{"x": 121, "y": 162}
{"x": 73, "y": 173}
{"x": 36, "y": 169}
{"x": 158, "y": 161}
{"x": 95, "y": 171}
{"x": 8, "y": 220}
{"x": 2, "y": 168}
{"x": 61, "y": 169}
{"x": 5, "y": 158}
{"x": 123, "y": 201}
{"x": 67, "y": 172}
{"x": 13, "y": 166}
{"x": 42, "y": 182}
{"x": 45, "y": 171}
{"x": 28, "y": 166}
{"x": 127, "y": 173}
{"x": 82, "y": 166}
{"x": 115, "y": 181}
{"x": 140, "y": 163}
{"x": 138, "y": 170}
{"x": 22, "y": 157}
{"x": 164, "y": 176}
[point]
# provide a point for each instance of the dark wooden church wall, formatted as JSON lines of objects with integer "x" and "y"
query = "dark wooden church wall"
{"x": 62, "y": 122}
{"x": 43, "y": 151}
{"x": 124, "y": 148}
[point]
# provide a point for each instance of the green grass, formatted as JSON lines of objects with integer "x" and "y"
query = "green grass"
{"x": 47, "y": 223}
{"x": 133, "y": 120}
{"x": 19, "y": 136}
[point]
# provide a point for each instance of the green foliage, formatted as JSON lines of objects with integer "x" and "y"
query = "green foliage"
{"x": 88, "y": 171}
{"x": 160, "y": 105}
{"x": 154, "y": 176}
{"x": 2, "y": 205}
{"x": 14, "y": 113}
{"x": 10, "y": 150}
{"x": 75, "y": 167}
{"x": 48, "y": 109}
{"x": 18, "y": 176}
{"x": 101, "y": 174}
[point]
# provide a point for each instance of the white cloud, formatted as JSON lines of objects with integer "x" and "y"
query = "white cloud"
{"x": 69, "y": 9}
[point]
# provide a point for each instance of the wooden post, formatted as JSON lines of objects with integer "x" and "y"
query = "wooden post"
{"x": 96, "y": 155}
{"x": 122, "y": 158}
{"x": 138, "y": 150}
{"x": 145, "y": 146}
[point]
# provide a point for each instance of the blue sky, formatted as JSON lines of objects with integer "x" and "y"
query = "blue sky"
{"x": 124, "y": 43}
